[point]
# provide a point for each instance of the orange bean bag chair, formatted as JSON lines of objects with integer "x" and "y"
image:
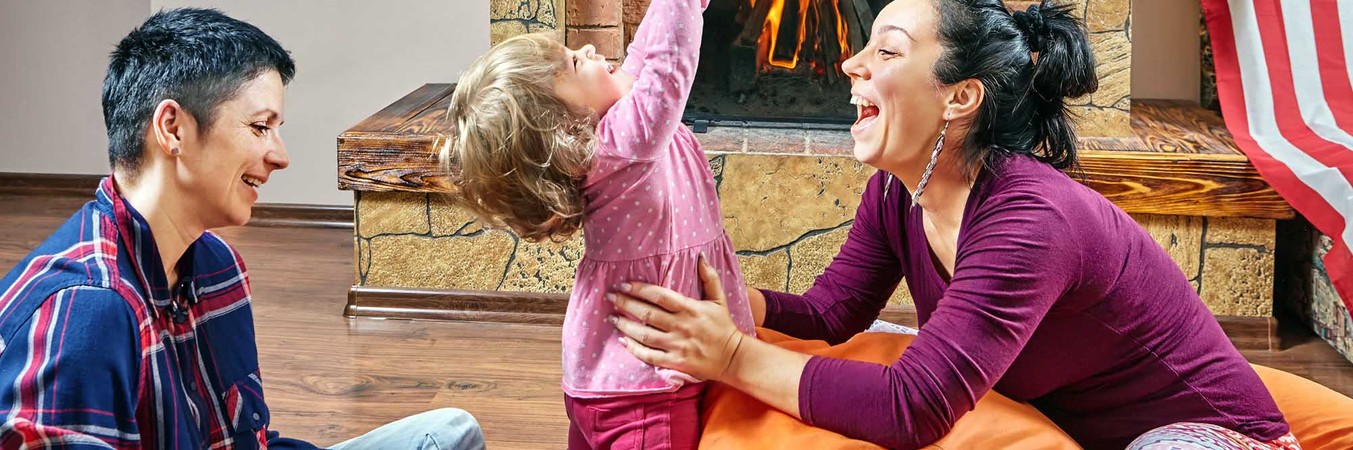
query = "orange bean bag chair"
{"x": 1320, "y": 418}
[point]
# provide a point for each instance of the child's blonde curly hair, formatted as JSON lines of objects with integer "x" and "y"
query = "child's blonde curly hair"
{"x": 519, "y": 154}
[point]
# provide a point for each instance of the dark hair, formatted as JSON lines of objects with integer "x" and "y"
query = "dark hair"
{"x": 197, "y": 57}
{"x": 984, "y": 41}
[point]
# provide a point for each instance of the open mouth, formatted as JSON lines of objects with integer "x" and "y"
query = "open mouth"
{"x": 251, "y": 181}
{"x": 610, "y": 68}
{"x": 866, "y": 111}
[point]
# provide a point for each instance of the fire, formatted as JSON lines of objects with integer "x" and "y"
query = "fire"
{"x": 769, "y": 41}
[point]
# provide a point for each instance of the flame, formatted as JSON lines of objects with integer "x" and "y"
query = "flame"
{"x": 769, "y": 40}
{"x": 841, "y": 30}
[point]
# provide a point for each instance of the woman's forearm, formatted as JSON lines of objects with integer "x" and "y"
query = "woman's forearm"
{"x": 768, "y": 373}
{"x": 757, "y": 301}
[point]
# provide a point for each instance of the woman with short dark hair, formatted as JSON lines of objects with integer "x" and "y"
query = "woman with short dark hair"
{"x": 131, "y": 327}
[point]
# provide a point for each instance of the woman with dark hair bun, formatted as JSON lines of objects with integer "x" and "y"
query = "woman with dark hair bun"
{"x": 1026, "y": 282}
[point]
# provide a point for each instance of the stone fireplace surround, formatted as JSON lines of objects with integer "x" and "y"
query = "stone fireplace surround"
{"x": 789, "y": 193}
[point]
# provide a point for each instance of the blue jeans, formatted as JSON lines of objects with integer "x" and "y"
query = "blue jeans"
{"x": 440, "y": 429}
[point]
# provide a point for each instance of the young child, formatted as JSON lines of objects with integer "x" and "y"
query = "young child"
{"x": 551, "y": 140}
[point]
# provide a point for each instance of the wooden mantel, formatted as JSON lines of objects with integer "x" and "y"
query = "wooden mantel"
{"x": 1182, "y": 160}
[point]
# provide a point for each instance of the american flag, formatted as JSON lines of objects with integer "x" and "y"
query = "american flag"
{"x": 1284, "y": 84}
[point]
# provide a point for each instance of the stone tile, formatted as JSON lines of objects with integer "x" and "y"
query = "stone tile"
{"x": 447, "y": 218}
{"x": 1238, "y": 282}
{"x": 902, "y": 296}
{"x": 358, "y": 244}
{"x": 716, "y": 163}
{"x": 1240, "y": 231}
{"x": 1113, "y": 59}
{"x": 1180, "y": 236}
{"x": 509, "y": 18}
{"x": 776, "y": 140}
{"x": 723, "y": 139}
{"x": 501, "y": 31}
{"x": 544, "y": 266}
{"x": 392, "y": 213}
{"x": 830, "y": 143}
{"x": 769, "y": 201}
{"x": 811, "y": 255}
{"x": 1328, "y": 315}
{"x": 557, "y": 34}
{"x": 1106, "y": 15}
{"x": 1093, "y": 121}
{"x": 461, "y": 263}
{"x": 1207, "y": 95}
{"x": 544, "y": 12}
{"x": 766, "y": 272}
{"x": 1124, "y": 104}
{"x": 604, "y": 13}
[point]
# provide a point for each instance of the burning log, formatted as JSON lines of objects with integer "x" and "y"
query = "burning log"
{"x": 756, "y": 22}
{"x": 859, "y": 19}
{"x": 805, "y": 36}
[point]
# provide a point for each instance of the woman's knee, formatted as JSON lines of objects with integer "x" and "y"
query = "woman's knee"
{"x": 452, "y": 428}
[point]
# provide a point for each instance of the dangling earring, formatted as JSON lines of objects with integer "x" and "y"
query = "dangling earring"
{"x": 886, "y": 184}
{"x": 929, "y": 167}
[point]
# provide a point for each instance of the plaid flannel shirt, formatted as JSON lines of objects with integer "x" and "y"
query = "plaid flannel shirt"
{"x": 97, "y": 350}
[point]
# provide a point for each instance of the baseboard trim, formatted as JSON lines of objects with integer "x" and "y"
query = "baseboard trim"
{"x": 1246, "y": 333}
{"x": 475, "y": 306}
{"x": 298, "y": 215}
{"x": 54, "y": 184}
{"x": 264, "y": 214}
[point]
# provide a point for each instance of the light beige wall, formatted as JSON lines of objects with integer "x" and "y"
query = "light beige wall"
{"x": 1165, "y": 49}
{"x": 353, "y": 57}
{"x": 52, "y": 59}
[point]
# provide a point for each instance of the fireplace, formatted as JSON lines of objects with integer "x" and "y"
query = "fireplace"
{"x": 796, "y": 83}
{"x": 778, "y": 60}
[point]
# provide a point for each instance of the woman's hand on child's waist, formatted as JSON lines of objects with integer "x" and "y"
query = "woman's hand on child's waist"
{"x": 678, "y": 332}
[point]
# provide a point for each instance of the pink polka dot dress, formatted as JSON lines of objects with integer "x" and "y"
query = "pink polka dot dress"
{"x": 652, "y": 210}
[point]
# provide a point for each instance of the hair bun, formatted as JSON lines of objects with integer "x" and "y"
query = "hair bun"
{"x": 1030, "y": 22}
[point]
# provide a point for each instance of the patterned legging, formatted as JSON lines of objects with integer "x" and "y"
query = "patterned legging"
{"x": 1201, "y": 436}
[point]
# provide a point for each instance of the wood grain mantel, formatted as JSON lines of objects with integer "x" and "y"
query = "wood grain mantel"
{"x": 1182, "y": 160}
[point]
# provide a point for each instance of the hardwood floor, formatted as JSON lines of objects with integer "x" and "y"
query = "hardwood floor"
{"x": 330, "y": 378}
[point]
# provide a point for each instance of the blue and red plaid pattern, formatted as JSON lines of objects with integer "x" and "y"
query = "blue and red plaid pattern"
{"x": 97, "y": 350}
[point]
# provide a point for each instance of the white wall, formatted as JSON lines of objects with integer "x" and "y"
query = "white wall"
{"x": 1166, "y": 62}
{"x": 52, "y": 58}
{"x": 353, "y": 57}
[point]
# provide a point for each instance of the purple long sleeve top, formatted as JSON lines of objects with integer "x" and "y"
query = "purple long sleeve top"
{"x": 1058, "y": 298}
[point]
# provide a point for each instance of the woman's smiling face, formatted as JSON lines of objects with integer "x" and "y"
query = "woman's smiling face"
{"x": 899, "y": 103}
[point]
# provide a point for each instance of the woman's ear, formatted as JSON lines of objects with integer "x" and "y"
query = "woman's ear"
{"x": 167, "y": 125}
{"x": 964, "y": 99}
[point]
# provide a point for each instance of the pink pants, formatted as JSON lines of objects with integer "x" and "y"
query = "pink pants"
{"x": 669, "y": 420}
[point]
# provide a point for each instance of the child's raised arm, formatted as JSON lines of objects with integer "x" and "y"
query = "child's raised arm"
{"x": 663, "y": 59}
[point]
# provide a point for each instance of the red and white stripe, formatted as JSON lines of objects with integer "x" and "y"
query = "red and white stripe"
{"x": 1287, "y": 96}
